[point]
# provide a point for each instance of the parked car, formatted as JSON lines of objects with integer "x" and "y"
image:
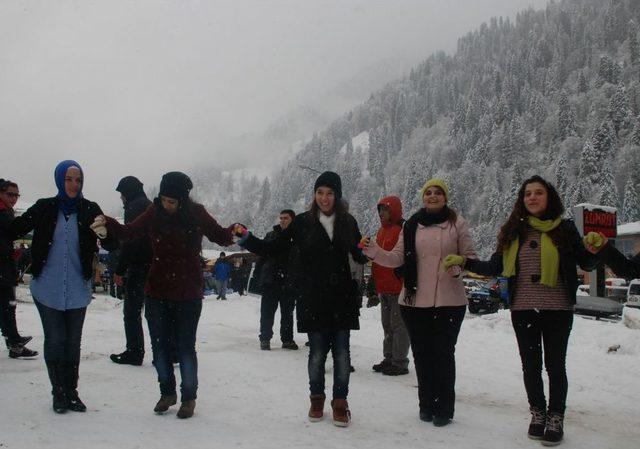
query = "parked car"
{"x": 633, "y": 294}
{"x": 471, "y": 285}
{"x": 597, "y": 306}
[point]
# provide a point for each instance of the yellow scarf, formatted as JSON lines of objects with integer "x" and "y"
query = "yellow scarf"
{"x": 549, "y": 258}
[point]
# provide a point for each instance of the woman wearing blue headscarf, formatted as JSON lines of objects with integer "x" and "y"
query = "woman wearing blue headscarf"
{"x": 63, "y": 250}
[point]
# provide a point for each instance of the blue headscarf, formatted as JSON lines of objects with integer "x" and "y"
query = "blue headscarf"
{"x": 67, "y": 205}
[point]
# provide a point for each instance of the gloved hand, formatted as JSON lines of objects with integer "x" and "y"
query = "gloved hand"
{"x": 99, "y": 226}
{"x": 453, "y": 260}
{"x": 594, "y": 241}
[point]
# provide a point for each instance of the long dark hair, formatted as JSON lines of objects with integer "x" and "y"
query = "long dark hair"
{"x": 185, "y": 218}
{"x": 516, "y": 224}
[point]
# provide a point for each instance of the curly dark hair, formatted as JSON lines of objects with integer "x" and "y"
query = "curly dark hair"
{"x": 516, "y": 224}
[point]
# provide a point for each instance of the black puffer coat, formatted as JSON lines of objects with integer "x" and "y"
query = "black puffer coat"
{"x": 327, "y": 297}
{"x": 42, "y": 218}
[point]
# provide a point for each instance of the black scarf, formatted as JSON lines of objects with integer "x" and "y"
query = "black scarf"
{"x": 410, "y": 262}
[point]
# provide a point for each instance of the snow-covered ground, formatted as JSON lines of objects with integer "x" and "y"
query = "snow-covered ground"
{"x": 256, "y": 399}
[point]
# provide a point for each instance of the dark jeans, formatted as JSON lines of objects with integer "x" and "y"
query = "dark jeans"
{"x": 268, "y": 306}
{"x": 8, "y": 315}
{"x": 180, "y": 319}
{"x": 132, "y": 310}
{"x": 550, "y": 328}
{"x": 433, "y": 333}
{"x": 319, "y": 345}
{"x": 62, "y": 332}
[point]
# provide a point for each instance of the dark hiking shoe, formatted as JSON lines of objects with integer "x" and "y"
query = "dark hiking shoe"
{"x": 426, "y": 416}
{"x": 393, "y": 370}
{"x": 186, "y": 409}
{"x": 60, "y": 401}
{"x": 22, "y": 341}
{"x": 75, "y": 403}
{"x": 166, "y": 401}
{"x": 554, "y": 432}
{"x": 290, "y": 345}
{"x": 21, "y": 352}
{"x": 538, "y": 421}
{"x": 441, "y": 421}
{"x": 127, "y": 358}
{"x": 265, "y": 345}
{"x": 378, "y": 367}
{"x": 316, "y": 411}
{"x": 341, "y": 413}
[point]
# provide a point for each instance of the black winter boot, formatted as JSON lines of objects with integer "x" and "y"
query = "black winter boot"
{"x": 537, "y": 424}
{"x": 71, "y": 387}
{"x": 554, "y": 432}
{"x": 56, "y": 377}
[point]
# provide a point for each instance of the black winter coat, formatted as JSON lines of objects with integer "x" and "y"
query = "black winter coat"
{"x": 273, "y": 270}
{"x": 571, "y": 255}
{"x": 135, "y": 254}
{"x": 42, "y": 218}
{"x": 327, "y": 297}
{"x": 8, "y": 272}
{"x": 621, "y": 266}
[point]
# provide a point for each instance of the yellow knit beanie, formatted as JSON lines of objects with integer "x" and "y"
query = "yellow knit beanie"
{"x": 437, "y": 182}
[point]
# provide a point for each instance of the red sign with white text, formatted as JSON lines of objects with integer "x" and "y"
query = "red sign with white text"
{"x": 600, "y": 221}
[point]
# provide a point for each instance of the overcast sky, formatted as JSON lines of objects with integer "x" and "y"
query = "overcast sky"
{"x": 143, "y": 87}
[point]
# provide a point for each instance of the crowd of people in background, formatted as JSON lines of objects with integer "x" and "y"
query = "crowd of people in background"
{"x": 310, "y": 262}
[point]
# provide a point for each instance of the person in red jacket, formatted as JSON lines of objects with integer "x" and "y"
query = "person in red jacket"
{"x": 388, "y": 286}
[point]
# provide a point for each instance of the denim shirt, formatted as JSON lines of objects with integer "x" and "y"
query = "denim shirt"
{"x": 61, "y": 285}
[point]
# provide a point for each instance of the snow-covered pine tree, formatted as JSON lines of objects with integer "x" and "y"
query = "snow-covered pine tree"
{"x": 631, "y": 203}
{"x": 566, "y": 117}
{"x": 619, "y": 108}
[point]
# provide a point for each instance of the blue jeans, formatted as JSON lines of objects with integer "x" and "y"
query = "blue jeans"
{"x": 180, "y": 319}
{"x": 319, "y": 345}
{"x": 62, "y": 332}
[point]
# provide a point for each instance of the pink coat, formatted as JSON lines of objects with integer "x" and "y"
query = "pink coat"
{"x": 436, "y": 288}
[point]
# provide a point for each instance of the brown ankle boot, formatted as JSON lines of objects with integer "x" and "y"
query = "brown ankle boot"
{"x": 341, "y": 413}
{"x": 317, "y": 407}
{"x": 186, "y": 409}
{"x": 166, "y": 401}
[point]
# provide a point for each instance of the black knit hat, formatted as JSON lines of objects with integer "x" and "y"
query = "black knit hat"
{"x": 331, "y": 180}
{"x": 175, "y": 185}
{"x": 129, "y": 186}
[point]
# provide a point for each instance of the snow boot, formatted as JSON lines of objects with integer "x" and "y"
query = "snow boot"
{"x": 166, "y": 401}
{"x": 56, "y": 377}
{"x": 265, "y": 345}
{"x": 341, "y": 413}
{"x": 186, "y": 409}
{"x": 127, "y": 358}
{"x": 316, "y": 411}
{"x": 71, "y": 387}
{"x": 538, "y": 421}
{"x": 554, "y": 432}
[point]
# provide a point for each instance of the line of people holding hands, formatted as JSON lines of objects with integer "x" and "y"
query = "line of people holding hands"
{"x": 537, "y": 250}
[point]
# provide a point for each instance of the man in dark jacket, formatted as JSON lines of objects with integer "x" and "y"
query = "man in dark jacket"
{"x": 274, "y": 291}
{"x": 133, "y": 266}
